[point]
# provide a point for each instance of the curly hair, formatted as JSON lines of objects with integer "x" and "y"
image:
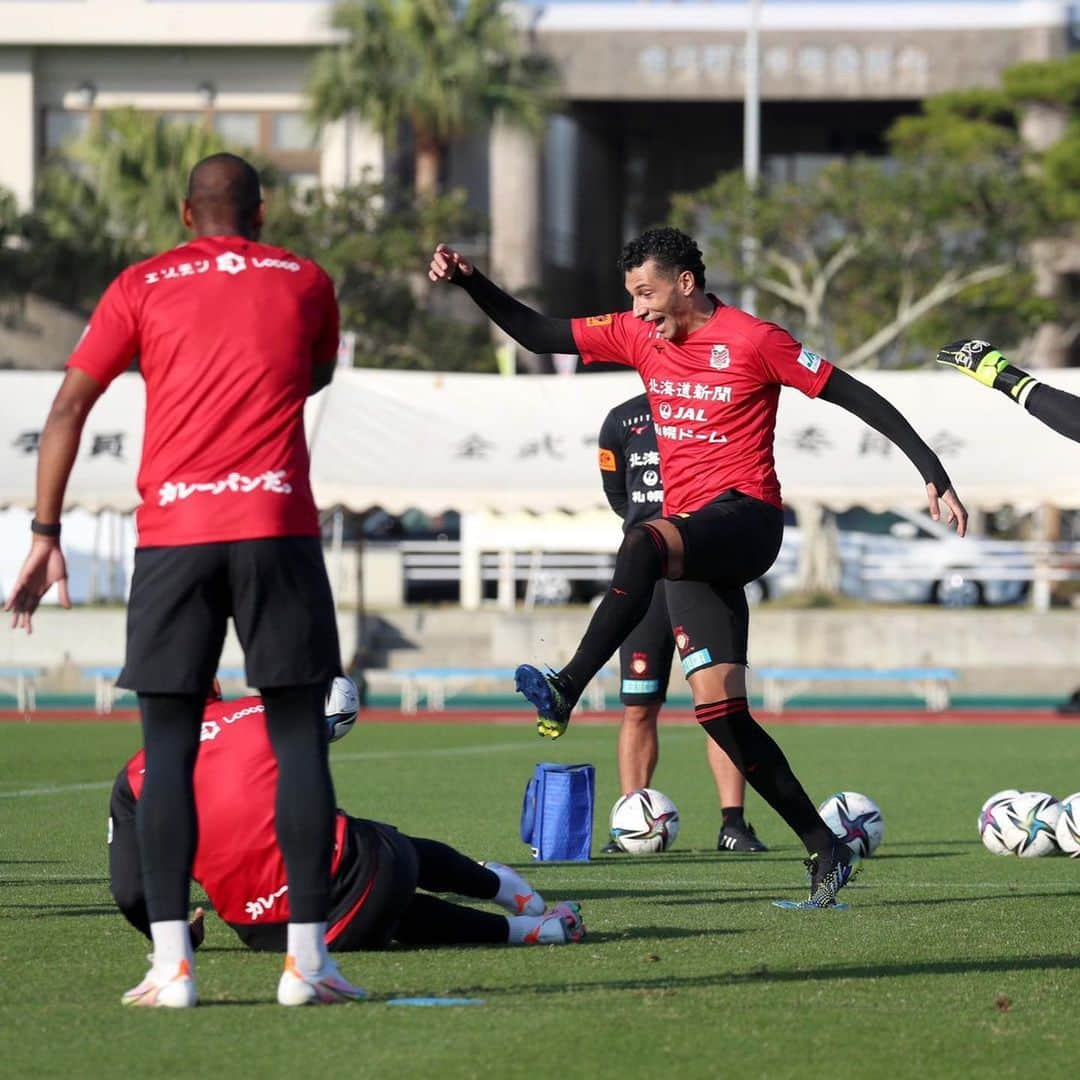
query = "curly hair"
{"x": 671, "y": 250}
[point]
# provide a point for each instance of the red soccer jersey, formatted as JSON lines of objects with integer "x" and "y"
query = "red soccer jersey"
{"x": 713, "y": 396}
{"x": 226, "y": 331}
{"x": 238, "y": 861}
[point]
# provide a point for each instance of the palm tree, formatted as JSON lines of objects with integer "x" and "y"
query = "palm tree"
{"x": 443, "y": 67}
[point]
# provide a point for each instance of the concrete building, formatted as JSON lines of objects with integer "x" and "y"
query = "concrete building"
{"x": 834, "y": 75}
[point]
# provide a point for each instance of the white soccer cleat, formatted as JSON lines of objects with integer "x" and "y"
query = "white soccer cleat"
{"x": 169, "y": 989}
{"x": 515, "y": 894}
{"x": 563, "y": 925}
{"x": 325, "y": 987}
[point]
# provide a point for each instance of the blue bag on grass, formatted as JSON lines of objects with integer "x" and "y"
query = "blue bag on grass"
{"x": 557, "y": 813}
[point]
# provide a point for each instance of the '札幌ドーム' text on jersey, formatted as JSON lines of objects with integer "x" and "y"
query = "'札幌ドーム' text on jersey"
{"x": 226, "y": 332}
{"x": 713, "y": 397}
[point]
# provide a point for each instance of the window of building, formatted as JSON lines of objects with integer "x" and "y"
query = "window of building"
{"x": 291, "y": 131}
{"x": 238, "y": 128}
{"x": 284, "y": 139}
{"x": 61, "y": 126}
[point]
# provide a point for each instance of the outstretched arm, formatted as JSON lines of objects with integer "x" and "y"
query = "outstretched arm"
{"x": 870, "y": 407}
{"x": 1056, "y": 408}
{"x": 531, "y": 330}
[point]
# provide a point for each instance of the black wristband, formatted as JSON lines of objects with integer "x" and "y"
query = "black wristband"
{"x": 38, "y": 528}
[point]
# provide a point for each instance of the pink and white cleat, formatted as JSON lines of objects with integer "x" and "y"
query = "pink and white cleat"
{"x": 515, "y": 894}
{"x": 167, "y": 989}
{"x": 325, "y": 987}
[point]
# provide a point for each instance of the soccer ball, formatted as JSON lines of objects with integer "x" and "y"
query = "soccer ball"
{"x": 1026, "y": 823}
{"x": 644, "y": 821}
{"x": 342, "y": 705}
{"x": 856, "y": 819}
{"x": 1067, "y": 832}
{"x": 993, "y": 825}
{"x": 984, "y": 811}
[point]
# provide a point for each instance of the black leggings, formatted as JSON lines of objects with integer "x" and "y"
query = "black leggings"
{"x": 430, "y": 920}
{"x": 165, "y": 817}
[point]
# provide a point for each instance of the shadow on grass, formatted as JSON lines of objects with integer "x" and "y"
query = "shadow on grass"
{"x": 59, "y": 911}
{"x": 53, "y": 881}
{"x": 918, "y": 855}
{"x": 765, "y": 976}
{"x": 970, "y": 899}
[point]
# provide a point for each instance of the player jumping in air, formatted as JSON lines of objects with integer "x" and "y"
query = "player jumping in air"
{"x": 630, "y": 473}
{"x": 1056, "y": 408}
{"x": 713, "y": 375}
{"x": 375, "y": 870}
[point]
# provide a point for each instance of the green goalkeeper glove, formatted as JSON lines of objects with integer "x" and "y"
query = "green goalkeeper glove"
{"x": 983, "y": 362}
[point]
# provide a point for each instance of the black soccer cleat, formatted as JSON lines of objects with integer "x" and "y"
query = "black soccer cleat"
{"x": 740, "y": 838}
{"x": 829, "y": 872}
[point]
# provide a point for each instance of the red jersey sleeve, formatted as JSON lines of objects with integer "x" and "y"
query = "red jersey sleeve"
{"x": 111, "y": 338}
{"x": 607, "y": 337}
{"x": 326, "y": 343}
{"x": 787, "y": 362}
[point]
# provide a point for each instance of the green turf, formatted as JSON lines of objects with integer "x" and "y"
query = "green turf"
{"x": 950, "y": 963}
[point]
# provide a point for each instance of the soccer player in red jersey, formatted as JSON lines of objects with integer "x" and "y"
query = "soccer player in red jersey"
{"x": 630, "y": 474}
{"x": 231, "y": 335}
{"x": 713, "y": 375}
{"x": 1057, "y": 409}
{"x": 375, "y": 870}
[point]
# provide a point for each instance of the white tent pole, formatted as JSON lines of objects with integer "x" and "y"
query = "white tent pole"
{"x": 472, "y": 589}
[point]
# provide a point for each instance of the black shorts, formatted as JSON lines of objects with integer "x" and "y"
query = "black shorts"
{"x": 645, "y": 656}
{"x": 382, "y": 899}
{"x": 728, "y": 543}
{"x": 276, "y": 591}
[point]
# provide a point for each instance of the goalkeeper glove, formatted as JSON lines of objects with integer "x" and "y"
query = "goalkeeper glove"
{"x": 983, "y": 362}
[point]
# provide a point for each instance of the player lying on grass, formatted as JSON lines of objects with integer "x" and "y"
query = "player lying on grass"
{"x": 713, "y": 376}
{"x": 376, "y": 869}
{"x": 1056, "y": 408}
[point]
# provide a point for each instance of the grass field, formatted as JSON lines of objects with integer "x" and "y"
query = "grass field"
{"x": 950, "y": 963}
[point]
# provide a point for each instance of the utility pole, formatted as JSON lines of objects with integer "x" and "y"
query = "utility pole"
{"x": 751, "y": 134}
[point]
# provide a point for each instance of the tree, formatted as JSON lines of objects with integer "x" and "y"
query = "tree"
{"x": 443, "y": 68}
{"x": 370, "y": 241}
{"x": 877, "y": 261}
{"x": 112, "y": 199}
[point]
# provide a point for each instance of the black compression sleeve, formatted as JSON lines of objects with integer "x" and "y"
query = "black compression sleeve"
{"x": 870, "y": 407}
{"x": 1057, "y": 409}
{"x": 531, "y": 330}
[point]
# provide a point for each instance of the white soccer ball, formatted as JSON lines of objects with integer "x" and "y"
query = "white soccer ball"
{"x": 998, "y": 797}
{"x": 1026, "y": 823}
{"x": 644, "y": 821}
{"x": 993, "y": 824}
{"x": 856, "y": 819}
{"x": 342, "y": 706}
{"x": 1067, "y": 832}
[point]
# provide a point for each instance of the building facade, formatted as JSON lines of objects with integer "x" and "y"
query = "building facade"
{"x": 833, "y": 76}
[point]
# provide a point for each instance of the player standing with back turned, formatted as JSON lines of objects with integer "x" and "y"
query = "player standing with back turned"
{"x": 713, "y": 375}
{"x": 231, "y": 336}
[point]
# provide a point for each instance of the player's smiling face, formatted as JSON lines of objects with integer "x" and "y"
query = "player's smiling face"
{"x": 661, "y": 299}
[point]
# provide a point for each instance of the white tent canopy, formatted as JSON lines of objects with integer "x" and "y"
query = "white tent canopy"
{"x": 483, "y": 443}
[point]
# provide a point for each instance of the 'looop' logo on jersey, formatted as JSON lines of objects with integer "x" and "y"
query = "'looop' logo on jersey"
{"x": 719, "y": 357}
{"x": 231, "y": 263}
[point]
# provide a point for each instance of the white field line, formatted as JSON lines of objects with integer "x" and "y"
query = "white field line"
{"x": 373, "y": 755}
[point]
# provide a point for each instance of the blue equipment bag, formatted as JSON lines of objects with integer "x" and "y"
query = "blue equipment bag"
{"x": 557, "y": 813}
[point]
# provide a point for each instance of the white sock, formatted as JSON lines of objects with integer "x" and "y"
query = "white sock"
{"x": 307, "y": 946}
{"x": 520, "y": 925}
{"x": 511, "y": 886}
{"x": 172, "y": 943}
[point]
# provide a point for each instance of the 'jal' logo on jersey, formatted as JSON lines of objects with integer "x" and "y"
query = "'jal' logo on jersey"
{"x": 719, "y": 357}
